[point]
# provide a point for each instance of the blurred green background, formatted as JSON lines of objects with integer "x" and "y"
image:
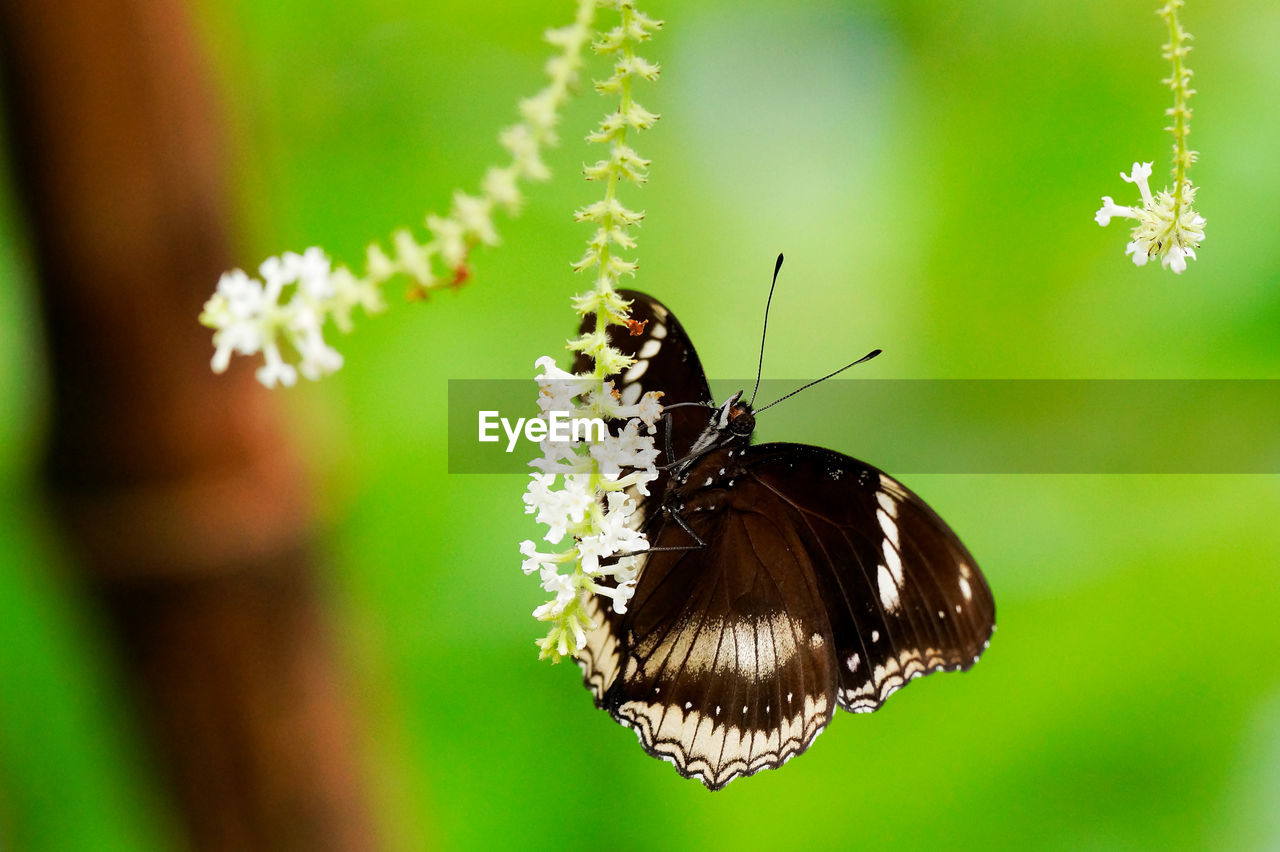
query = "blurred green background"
{"x": 931, "y": 171}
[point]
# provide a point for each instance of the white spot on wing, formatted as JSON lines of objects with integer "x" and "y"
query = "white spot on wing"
{"x": 658, "y": 330}
{"x": 888, "y": 590}
{"x": 631, "y": 394}
{"x": 889, "y": 525}
{"x": 892, "y": 561}
{"x": 650, "y": 348}
{"x": 636, "y": 371}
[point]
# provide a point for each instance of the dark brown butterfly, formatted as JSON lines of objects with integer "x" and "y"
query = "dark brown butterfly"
{"x": 783, "y": 581}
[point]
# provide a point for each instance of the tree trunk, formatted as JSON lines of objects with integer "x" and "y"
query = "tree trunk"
{"x": 183, "y": 503}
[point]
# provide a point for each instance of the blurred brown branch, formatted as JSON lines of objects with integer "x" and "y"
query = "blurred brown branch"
{"x": 188, "y": 514}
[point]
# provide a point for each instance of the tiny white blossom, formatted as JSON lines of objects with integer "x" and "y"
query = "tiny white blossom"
{"x": 647, "y": 409}
{"x": 628, "y": 448}
{"x": 557, "y": 388}
{"x": 525, "y": 152}
{"x": 626, "y": 589}
{"x": 449, "y": 239}
{"x": 275, "y": 371}
{"x": 235, "y": 311}
{"x": 412, "y": 259}
{"x": 538, "y": 491}
{"x": 380, "y": 266}
{"x": 502, "y": 187}
{"x": 559, "y": 509}
{"x": 535, "y": 561}
{"x": 475, "y": 215}
{"x": 561, "y": 585}
{"x": 1165, "y": 227}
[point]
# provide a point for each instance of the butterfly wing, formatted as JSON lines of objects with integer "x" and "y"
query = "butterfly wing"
{"x": 903, "y": 595}
{"x": 665, "y": 360}
{"x": 727, "y": 667}
{"x": 823, "y": 583}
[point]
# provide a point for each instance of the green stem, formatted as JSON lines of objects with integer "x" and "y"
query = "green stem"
{"x": 1181, "y": 114}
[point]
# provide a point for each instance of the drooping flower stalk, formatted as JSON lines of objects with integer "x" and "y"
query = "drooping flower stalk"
{"x": 284, "y": 313}
{"x": 599, "y": 484}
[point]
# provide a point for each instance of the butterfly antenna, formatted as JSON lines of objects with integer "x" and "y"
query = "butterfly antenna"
{"x": 760, "y": 367}
{"x": 873, "y": 353}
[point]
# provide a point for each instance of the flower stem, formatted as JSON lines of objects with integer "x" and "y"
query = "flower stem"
{"x": 1176, "y": 51}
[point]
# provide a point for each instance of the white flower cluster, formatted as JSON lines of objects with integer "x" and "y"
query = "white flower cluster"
{"x": 1167, "y": 226}
{"x": 594, "y": 504}
{"x": 282, "y": 315}
{"x": 251, "y": 315}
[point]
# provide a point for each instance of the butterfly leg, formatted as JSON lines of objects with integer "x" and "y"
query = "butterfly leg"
{"x": 679, "y": 519}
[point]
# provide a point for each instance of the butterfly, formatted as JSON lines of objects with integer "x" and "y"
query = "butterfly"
{"x": 783, "y": 581}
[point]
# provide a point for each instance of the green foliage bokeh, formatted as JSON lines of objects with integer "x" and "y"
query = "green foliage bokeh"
{"x": 931, "y": 171}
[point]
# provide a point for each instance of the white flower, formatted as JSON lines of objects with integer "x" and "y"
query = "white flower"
{"x": 285, "y": 312}
{"x": 559, "y": 509}
{"x": 615, "y": 534}
{"x": 235, "y": 310}
{"x": 626, "y": 449}
{"x": 1164, "y": 226}
{"x": 622, "y": 593}
{"x": 562, "y": 586}
{"x": 501, "y": 186}
{"x": 558, "y": 388}
{"x": 449, "y": 239}
{"x": 648, "y": 409}
{"x": 538, "y": 491}
{"x": 594, "y": 508}
{"x": 414, "y": 260}
{"x": 525, "y": 152}
{"x": 275, "y": 370}
{"x": 475, "y": 215}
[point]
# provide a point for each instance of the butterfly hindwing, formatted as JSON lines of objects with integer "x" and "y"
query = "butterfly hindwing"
{"x": 728, "y": 668}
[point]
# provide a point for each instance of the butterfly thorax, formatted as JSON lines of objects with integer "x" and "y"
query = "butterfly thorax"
{"x": 732, "y": 424}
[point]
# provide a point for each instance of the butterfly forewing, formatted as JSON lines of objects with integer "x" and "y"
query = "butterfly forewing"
{"x": 664, "y": 361}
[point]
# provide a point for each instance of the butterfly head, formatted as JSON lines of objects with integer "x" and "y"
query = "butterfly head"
{"x": 740, "y": 421}
{"x": 733, "y": 421}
